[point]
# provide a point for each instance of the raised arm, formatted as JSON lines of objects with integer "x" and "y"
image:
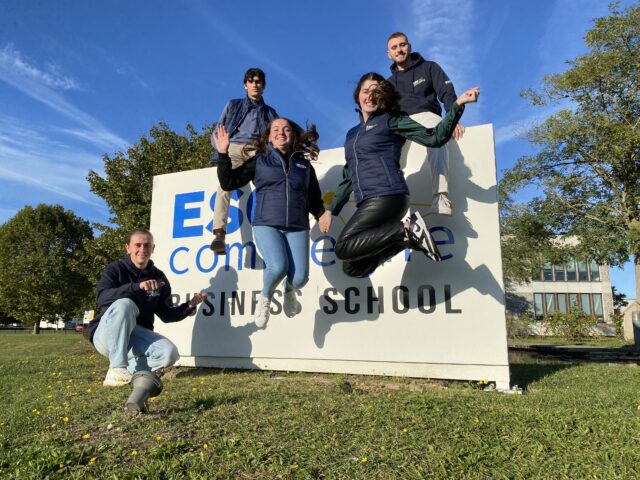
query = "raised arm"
{"x": 231, "y": 178}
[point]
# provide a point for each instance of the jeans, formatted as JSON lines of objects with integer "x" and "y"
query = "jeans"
{"x": 372, "y": 235}
{"x": 285, "y": 254}
{"x": 126, "y": 344}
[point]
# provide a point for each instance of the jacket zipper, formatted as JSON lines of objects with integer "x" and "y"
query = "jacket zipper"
{"x": 355, "y": 154}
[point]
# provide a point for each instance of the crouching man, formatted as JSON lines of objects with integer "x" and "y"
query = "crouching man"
{"x": 130, "y": 292}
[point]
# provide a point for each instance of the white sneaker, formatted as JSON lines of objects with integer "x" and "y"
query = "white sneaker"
{"x": 420, "y": 237}
{"x": 261, "y": 317}
{"x": 441, "y": 204}
{"x": 290, "y": 304}
{"x": 117, "y": 377}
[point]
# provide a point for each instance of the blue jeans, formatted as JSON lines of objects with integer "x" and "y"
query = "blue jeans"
{"x": 285, "y": 254}
{"x": 127, "y": 344}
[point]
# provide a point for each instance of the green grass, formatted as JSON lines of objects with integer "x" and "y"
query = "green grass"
{"x": 609, "y": 342}
{"x": 57, "y": 421}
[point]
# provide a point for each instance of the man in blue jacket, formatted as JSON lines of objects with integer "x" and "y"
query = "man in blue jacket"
{"x": 130, "y": 292}
{"x": 423, "y": 85}
{"x": 245, "y": 119}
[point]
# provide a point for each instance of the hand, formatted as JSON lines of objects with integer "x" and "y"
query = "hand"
{"x": 197, "y": 298}
{"x": 458, "y": 132}
{"x": 221, "y": 139}
{"x": 149, "y": 285}
{"x": 470, "y": 96}
{"x": 325, "y": 221}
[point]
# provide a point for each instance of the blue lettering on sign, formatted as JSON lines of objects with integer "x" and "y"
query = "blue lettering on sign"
{"x": 321, "y": 253}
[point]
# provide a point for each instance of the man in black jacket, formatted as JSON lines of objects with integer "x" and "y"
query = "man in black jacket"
{"x": 423, "y": 85}
{"x": 130, "y": 292}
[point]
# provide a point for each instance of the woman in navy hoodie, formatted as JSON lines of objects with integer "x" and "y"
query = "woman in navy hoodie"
{"x": 286, "y": 191}
{"x": 375, "y": 232}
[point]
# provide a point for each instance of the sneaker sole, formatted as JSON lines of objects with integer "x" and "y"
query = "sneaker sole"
{"x": 430, "y": 249}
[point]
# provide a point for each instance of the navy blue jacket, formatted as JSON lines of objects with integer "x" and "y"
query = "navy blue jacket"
{"x": 234, "y": 113}
{"x": 121, "y": 279}
{"x": 421, "y": 85}
{"x": 373, "y": 157}
{"x": 287, "y": 189}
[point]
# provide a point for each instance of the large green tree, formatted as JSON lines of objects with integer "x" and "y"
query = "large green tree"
{"x": 127, "y": 185}
{"x": 586, "y": 173}
{"x": 40, "y": 251}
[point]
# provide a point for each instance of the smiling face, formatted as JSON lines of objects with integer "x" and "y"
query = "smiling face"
{"x": 281, "y": 135}
{"x": 398, "y": 50}
{"x": 140, "y": 248}
{"x": 367, "y": 103}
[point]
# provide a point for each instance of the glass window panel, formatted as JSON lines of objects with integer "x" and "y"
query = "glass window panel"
{"x": 586, "y": 304}
{"x": 562, "y": 303}
{"x": 582, "y": 271}
{"x": 549, "y": 304}
{"x": 559, "y": 271}
{"x": 547, "y": 272}
{"x": 537, "y": 305}
{"x": 574, "y": 304}
{"x": 595, "y": 271}
{"x": 597, "y": 305}
{"x": 571, "y": 271}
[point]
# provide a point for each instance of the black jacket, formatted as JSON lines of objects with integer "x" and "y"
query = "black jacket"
{"x": 121, "y": 279}
{"x": 421, "y": 85}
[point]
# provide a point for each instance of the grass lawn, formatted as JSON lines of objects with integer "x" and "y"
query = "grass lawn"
{"x": 575, "y": 421}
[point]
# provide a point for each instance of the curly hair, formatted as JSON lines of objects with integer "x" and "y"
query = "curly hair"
{"x": 386, "y": 96}
{"x": 304, "y": 141}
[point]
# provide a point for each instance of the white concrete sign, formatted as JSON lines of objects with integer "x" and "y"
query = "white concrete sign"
{"x": 412, "y": 317}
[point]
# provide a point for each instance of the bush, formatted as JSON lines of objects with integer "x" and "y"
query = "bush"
{"x": 573, "y": 325}
{"x": 519, "y": 325}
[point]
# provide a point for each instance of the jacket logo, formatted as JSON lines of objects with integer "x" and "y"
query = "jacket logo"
{"x": 299, "y": 165}
{"x": 369, "y": 127}
{"x": 419, "y": 81}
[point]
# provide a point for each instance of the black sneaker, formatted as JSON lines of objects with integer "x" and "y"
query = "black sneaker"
{"x": 218, "y": 245}
{"x": 420, "y": 238}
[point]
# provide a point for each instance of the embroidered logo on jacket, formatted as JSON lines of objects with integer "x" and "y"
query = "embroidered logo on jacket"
{"x": 369, "y": 127}
{"x": 299, "y": 165}
{"x": 419, "y": 81}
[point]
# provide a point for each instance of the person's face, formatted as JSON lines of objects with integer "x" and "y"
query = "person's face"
{"x": 368, "y": 105}
{"x": 140, "y": 249}
{"x": 280, "y": 134}
{"x": 398, "y": 50}
{"x": 254, "y": 87}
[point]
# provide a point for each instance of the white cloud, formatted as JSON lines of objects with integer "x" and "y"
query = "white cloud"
{"x": 42, "y": 86}
{"x": 443, "y": 32}
{"x": 13, "y": 61}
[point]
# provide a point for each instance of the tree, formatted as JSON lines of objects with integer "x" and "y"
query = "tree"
{"x": 619, "y": 300}
{"x": 588, "y": 164}
{"x": 40, "y": 277}
{"x": 128, "y": 183}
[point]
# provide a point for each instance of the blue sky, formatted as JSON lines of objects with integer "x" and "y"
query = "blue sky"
{"x": 79, "y": 79}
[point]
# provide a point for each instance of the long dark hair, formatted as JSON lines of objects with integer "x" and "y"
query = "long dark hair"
{"x": 386, "y": 96}
{"x": 304, "y": 141}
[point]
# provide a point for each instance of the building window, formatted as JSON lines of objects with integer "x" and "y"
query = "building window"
{"x": 597, "y": 305}
{"x": 571, "y": 271}
{"x": 562, "y": 303}
{"x": 559, "y": 271}
{"x": 538, "y": 310}
{"x": 583, "y": 275}
{"x": 586, "y": 304}
{"x": 547, "y": 272}
{"x": 549, "y": 303}
{"x": 595, "y": 271}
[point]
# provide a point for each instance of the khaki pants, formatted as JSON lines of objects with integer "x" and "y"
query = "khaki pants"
{"x": 221, "y": 208}
{"x": 438, "y": 158}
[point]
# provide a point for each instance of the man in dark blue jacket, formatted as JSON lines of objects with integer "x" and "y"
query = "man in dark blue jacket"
{"x": 245, "y": 119}
{"x": 130, "y": 292}
{"x": 423, "y": 85}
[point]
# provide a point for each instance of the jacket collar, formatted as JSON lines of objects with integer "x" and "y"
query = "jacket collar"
{"x": 151, "y": 268}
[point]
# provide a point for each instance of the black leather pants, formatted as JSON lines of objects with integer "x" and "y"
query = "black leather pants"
{"x": 372, "y": 235}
